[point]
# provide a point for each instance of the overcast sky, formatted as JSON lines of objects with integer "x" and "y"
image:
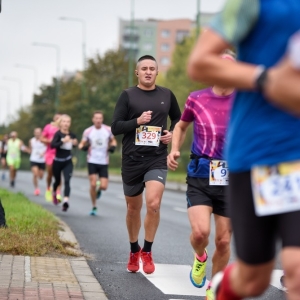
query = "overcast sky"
{"x": 24, "y": 22}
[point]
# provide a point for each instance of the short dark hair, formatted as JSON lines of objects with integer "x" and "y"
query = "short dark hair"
{"x": 96, "y": 112}
{"x": 146, "y": 57}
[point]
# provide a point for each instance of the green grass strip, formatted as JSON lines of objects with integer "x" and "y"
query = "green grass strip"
{"x": 32, "y": 230}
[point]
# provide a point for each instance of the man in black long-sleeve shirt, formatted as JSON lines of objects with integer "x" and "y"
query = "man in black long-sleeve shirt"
{"x": 141, "y": 115}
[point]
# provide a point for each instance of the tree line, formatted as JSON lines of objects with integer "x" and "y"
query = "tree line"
{"x": 104, "y": 79}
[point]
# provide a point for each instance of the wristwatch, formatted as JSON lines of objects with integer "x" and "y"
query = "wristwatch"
{"x": 261, "y": 78}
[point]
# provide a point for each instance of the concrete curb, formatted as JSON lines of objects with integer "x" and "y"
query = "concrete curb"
{"x": 90, "y": 287}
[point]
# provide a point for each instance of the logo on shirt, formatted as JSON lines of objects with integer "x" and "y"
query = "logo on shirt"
{"x": 162, "y": 103}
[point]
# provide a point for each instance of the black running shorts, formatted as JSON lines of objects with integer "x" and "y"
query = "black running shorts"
{"x": 41, "y": 166}
{"x": 100, "y": 170}
{"x": 159, "y": 175}
{"x": 256, "y": 237}
{"x": 137, "y": 171}
{"x": 199, "y": 192}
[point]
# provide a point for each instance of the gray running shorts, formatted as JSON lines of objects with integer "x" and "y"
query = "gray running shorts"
{"x": 135, "y": 190}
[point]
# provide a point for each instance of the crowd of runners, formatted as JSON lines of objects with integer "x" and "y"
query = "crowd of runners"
{"x": 50, "y": 149}
{"x": 244, "y": 164}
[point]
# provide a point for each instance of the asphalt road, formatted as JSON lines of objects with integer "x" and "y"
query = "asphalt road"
{"x": 104, "y": 239}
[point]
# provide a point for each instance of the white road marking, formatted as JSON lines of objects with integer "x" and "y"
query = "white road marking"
{"x": 184, "y": 210}
{"x": 175, "y": 280}
{"x": 275, "y": 280}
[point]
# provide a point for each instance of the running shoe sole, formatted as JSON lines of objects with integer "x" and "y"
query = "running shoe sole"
{"x": 195, "y": 284}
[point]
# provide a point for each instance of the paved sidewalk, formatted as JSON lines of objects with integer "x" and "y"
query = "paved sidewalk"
{"x": 48, "y": 278}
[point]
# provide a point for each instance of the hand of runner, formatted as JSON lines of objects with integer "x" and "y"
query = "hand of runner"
{"x": 282, "y": 88}
{"x": 172, "y": 160}
{"x": 145, "y": 117}
{"x": 166, "y": 138}
{"x": 66, "y": 139}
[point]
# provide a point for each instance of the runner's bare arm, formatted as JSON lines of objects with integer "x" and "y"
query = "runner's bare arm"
{"x": 178, "y": 138}
{"x": 206, "y": 65}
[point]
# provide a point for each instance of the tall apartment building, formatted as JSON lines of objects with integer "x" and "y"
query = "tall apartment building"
{"x": 156, "y": 37}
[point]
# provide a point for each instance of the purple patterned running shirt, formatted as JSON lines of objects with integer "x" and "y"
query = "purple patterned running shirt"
{"x": 210, "y": 115}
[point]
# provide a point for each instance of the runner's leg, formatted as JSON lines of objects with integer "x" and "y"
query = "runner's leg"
{"x": 153, "y": 194}
{"x": 133, "y": 216}
{"x": 93, "y": 179}
{"x": 222, "y": 240}
{"x": 67, "y": 172}
{"x": 35, "y": 172}
{"x": 199, "y": 217}
{"x": 56, "y": 169}
{"x": 291, "y": 265}
{"x": 49, "y": 175}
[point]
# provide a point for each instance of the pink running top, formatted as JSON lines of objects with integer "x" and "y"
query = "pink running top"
{"x": 48, "y": 132}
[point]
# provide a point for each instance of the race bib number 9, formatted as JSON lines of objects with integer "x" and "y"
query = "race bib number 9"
{"x": 148, "y": 136}
{"x": 276, "y": 189}
{"x": 218, "y": 172}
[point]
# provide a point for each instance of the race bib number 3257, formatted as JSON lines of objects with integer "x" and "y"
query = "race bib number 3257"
{"x": 276, "y": 189}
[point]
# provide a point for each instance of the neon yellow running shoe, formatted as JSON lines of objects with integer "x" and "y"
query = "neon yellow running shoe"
{"x": 48, "y": 195}
{"x": 198, "y": 272}
{"x": 58, "y": 197}
{"x": 210, "y": 294}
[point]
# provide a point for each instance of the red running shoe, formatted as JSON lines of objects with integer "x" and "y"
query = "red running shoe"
{"x": 134, "y": 262}
{"x": 148, "y": 264}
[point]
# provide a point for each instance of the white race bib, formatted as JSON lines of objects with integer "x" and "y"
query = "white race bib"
{"x": 276, "y": 189}
{"x": 148, "y": 136}
{"x": 98, "y": 143}
{"x": 67, "y": 146}
{"x": 218, "y": 172}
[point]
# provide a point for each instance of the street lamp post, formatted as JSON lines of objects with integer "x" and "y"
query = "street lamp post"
{"x": 8, "y": 100}
{"x": 131, "y": 50}
{"x": 83, "y": 23}
{"x": 32, "y": 68}
{"x": 198, "y": 18}
{"x": 56, "y": 47}
{"x": 19, "y": 82}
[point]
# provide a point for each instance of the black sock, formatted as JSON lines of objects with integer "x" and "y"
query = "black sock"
{"x": 135, "y": 247}
{"x": 147, "y": 246}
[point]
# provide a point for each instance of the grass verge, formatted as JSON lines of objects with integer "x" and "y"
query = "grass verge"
{"x": 32, "y": 230}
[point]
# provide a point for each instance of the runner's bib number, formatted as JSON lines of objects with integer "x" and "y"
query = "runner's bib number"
{"x": 276, "y": 189}
{"x": 218, "y": 172}
{"x": 148, "y": 136}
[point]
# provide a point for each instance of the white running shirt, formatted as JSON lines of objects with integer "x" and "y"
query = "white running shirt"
{"x": 38, "y": 150}
{"x": 99, "y": 143}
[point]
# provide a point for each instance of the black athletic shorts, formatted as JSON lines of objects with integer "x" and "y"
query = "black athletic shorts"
{"x": 199, "y": 192}
{"x": 41, "y": 166}
{"x": 134, "y": 170}
{"x": 159, "y": 175}
{"x": 3, "y": 155}
{"x": 101, "y": 170}
{"x": 256, "y": 237}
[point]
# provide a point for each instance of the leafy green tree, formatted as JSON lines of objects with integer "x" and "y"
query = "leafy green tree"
{"x": 177, "y": 81}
